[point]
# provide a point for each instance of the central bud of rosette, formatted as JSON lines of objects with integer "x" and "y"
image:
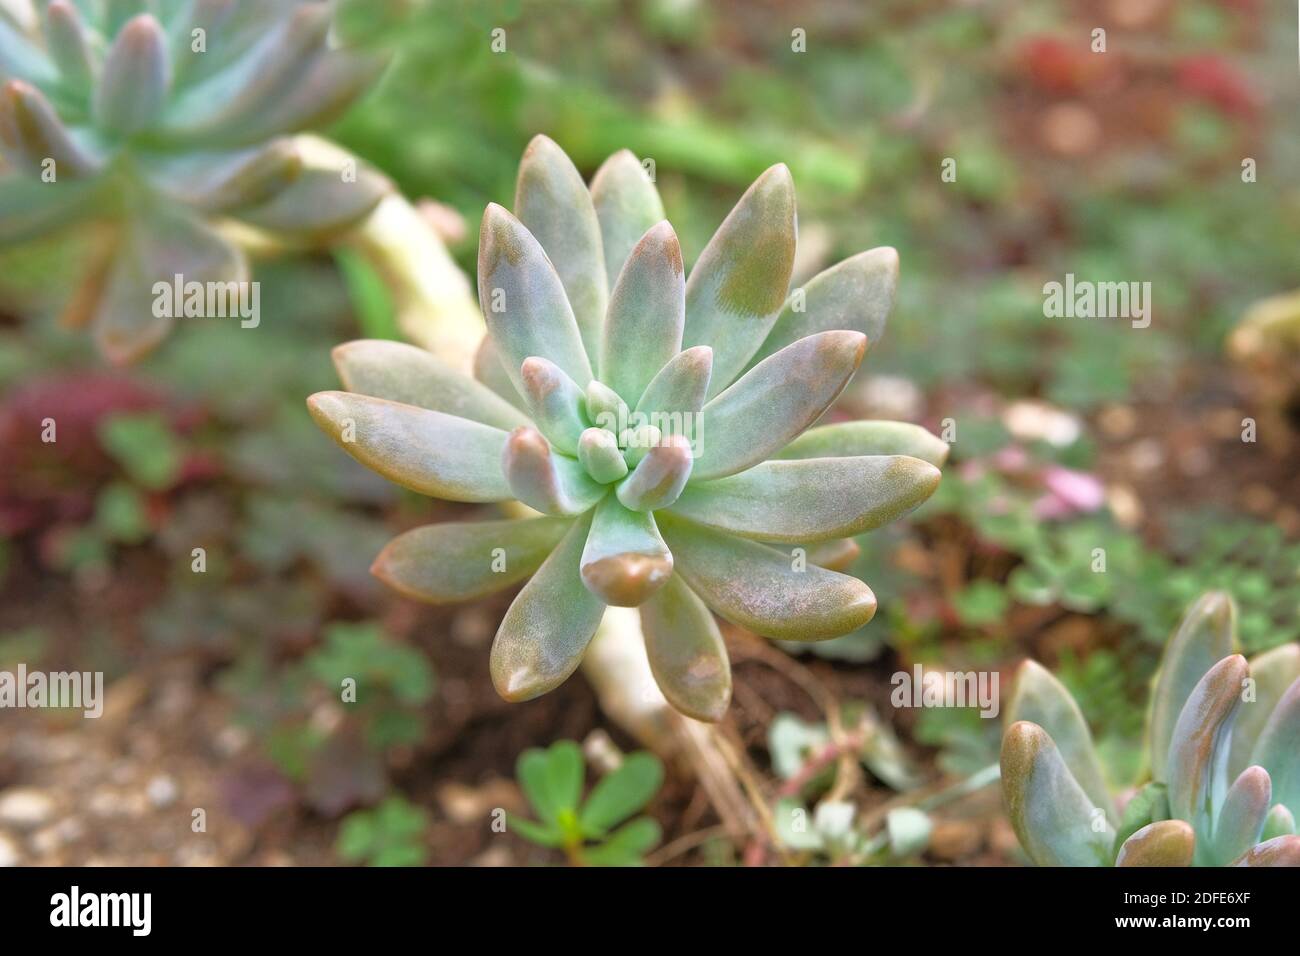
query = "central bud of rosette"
{"x": 586, "y": 442}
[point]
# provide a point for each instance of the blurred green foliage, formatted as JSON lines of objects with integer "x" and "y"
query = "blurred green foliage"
{"x": 392, "y": 834}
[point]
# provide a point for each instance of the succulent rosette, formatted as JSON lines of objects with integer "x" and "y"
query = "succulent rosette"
{"x": 659, "y": 423}
{"x": 142, "y": 128}
{"x": 1224, "y": 763}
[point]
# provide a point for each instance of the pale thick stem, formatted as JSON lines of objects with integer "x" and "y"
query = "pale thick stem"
{"x": 436, "y": 307}
{"x": 618, "y": 669}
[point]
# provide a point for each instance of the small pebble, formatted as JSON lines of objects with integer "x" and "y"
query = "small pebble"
{"x": 162, "y": 791}
{"x": 25, "y": 808}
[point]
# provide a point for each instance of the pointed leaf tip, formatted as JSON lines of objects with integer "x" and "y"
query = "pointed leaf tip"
{"x": 643, "y": 329}
{"x": 659, "y": 477}
{"x": 739, "y": 282}
{"x": 550, "y": 623}
{"x": 1037, "y": 696}
{"x": 524, "y": 302}
{"x": 686, "y": 652}
{"x": 1204, "y": 637}
{"x": 772, "y": 592}
{"x": 1056, "y": 822}
{"x": 552, "y": 201}
{"x": 1202, "y": 731}
{"x": 772, "y": 403}
{"x": 135, "y": 78}
{"x": 550, "y": 483}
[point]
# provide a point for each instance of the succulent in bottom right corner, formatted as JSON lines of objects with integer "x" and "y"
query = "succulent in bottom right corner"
{"x": 1223, "y": 742}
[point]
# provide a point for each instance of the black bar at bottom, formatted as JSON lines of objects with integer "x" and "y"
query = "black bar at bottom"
{"x": 938, "y": 905}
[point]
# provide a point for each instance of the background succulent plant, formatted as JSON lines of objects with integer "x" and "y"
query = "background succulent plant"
{"x": 659, "y": 423}
{"x": 1224, "y": 765}
{"x": 144, "y": 124}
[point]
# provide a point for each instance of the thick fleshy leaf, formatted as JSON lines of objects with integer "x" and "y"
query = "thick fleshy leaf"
{"x": 1241, "y": 819}
{"x": 262, "y": 76}
{"x": 523, "y": 301}
{"x": 604, "y": 406}
{"x": 29, "y": 207}
{"x": 555, "y": 403}
{"x": 430, "y": 452}
{"x": 675, "y": 396}
{"x": 659, "y": 477}
{"x": 1279, "y": 851}
{"x": 134, "y": 313}
{"x": 686, "y": 652}
{"x": 811, "y": 499}
{"x": 215, "y": 19}
{"x": 856, "y": 294}
{"x": 320, "y": 203}
{"x": 553, "y": 202}
{"x": 774, "y": 401}
{"x": 68, "y": 43}
{"x": 1037, "y": 696}
{"x": 625, "y": 560}
{"x": 550, "y": 483}
{"x": 837, "y": 554}
{"x": 764, "y": 589}
{"x": 1057, "y": 823}
{"x": 1149, "y": 805}
{"x": 548, "y": 627}
{"x": 848, "y": 439}
{"x": 22, "y": 59}
{"x": 600, "y": 456}
{"x": 646, "y": 311}
{"x": 1278, "y": 749}
{"x": 738, "y": 284}
{"x": 1273, "y": 672}
{"x": 1279, "y": 822}
{"x": 226, "y": 180}
{"x": 332, "y": 83}
{"x": 627, "y": 204}
{"x": 1204, "y": 638}
{"x": 1164, "y": 843}
{"x": 1198, "y": 754}
{"x": 489, "y": 369}
{"x": 135, "y": 79}
{"x": 620, "y": 793}
{"x": 413, "y": 376}
{"x": 33, "y": 133}
{"x": 443, "y": 563}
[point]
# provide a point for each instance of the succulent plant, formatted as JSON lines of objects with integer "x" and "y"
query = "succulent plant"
{"x": 1222, "y": 737}
{"x": 145, "y": 126}
{"x": 659, "y": 424}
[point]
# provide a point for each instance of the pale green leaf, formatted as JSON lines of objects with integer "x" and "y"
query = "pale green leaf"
{"x": 459, "y": 561}
{"x": 430, "y": 452}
